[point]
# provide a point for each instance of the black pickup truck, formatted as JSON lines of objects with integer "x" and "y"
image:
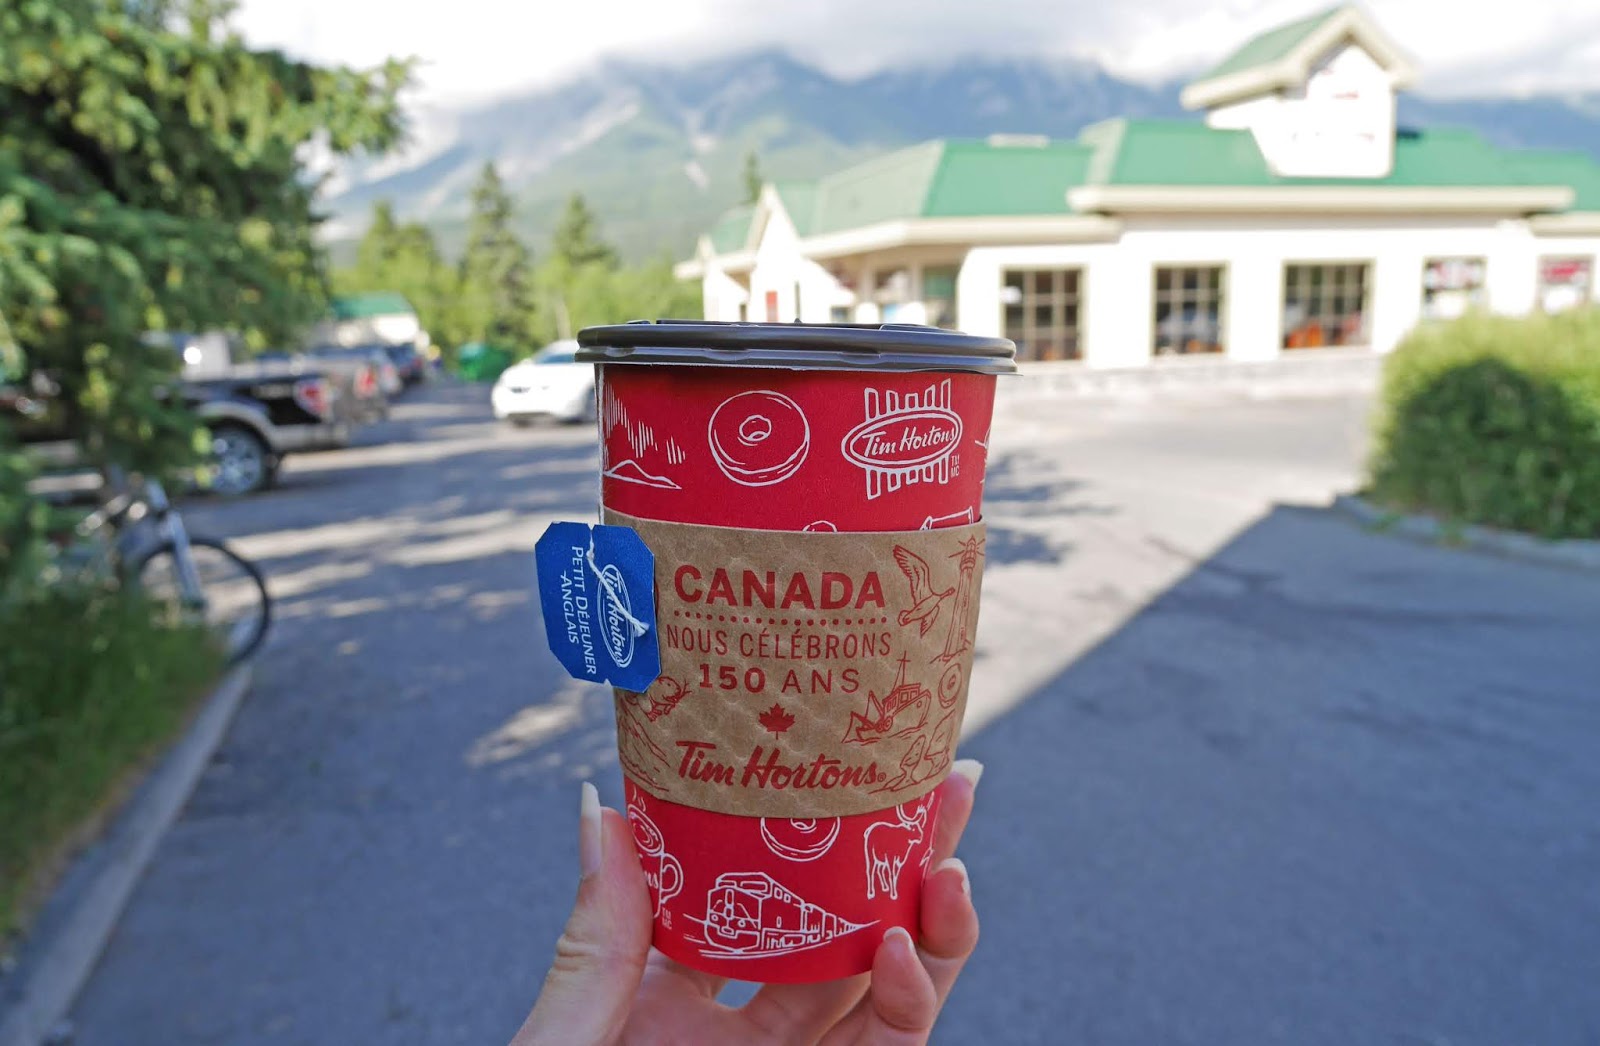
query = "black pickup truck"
{"x": 256, "y": 414}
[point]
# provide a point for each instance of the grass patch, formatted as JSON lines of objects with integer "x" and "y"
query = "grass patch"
{"x": 90, "y": 687}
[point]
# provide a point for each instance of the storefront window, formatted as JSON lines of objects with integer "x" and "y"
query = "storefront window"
{"x": 1189, "y": 303}
{"x": 1451, "y": 286}
{"x": 939, "y": 295}
{"x": 1325, "y": 305}
{"x": 1565, "y": 282}
{"x": 1043, "y": 312}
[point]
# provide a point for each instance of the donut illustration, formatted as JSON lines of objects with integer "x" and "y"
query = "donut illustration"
{"x": 759, "y": 438}
{"x": 799, "y": 840}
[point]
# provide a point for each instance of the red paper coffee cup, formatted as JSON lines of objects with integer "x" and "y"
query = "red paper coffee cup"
{"x": 777, "y": 427}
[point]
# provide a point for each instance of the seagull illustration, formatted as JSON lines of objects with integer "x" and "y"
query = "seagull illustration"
{"x": 925, "y": 602}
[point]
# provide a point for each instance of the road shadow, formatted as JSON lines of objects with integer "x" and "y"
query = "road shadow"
{"x": 1329, "y": 787}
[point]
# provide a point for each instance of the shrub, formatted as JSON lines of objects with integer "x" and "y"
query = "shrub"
{"x": 1495, "y": 420}
{"x": 89, "y": 687}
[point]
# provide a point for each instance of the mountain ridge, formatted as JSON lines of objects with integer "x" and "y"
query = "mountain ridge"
{"x": 658, "y": 149}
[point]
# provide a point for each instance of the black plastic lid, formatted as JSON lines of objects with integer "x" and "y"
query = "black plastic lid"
{"x": 795, "y": 346}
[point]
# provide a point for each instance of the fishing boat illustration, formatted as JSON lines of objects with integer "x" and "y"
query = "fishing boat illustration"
{"x": 750, "y": 915}
{"x": 901, "y": 711}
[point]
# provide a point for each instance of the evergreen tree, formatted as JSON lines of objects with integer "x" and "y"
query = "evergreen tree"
{"x": 406, "y": 259}
{"x": 377, "y": 247}
{"x": 576, "y": 241}
{"x": 753, "y": 178}
{"x": 496, "y": 268}
{"x": 149, "y": 180}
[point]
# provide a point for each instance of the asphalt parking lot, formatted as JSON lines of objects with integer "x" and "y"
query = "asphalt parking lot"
{"x": 1255, "y": 775}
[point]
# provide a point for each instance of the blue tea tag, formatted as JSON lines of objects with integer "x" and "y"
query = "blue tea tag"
{"x": 597, "y": 589}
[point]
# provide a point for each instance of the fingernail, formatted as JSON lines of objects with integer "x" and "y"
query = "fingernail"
{"x": 971, "y": 769}
{"x": 902, "y": 937}
{"x": 960, "y": 868}
{"x": 589, "y": 852}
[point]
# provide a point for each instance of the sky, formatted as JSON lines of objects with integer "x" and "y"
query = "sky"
{"x": 476, "y": 50}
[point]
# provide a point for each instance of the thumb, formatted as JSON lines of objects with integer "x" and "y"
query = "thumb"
{"x": 601, "y": 954}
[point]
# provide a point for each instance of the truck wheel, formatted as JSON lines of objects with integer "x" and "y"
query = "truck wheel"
{"x": 240, "y": 461}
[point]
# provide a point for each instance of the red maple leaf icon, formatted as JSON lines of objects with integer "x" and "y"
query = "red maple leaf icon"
{"x": 776, "y": 719}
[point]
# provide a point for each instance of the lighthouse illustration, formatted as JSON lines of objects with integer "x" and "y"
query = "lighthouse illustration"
{"x": 901, "y": 711}
{"x": 959, "y": 639}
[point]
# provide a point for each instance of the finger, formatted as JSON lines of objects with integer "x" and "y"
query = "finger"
{"x": 677, "y": 977}
{"x": 956, "y": 796}
{"x": 902, "y": 1003}
{"x": 803, "y": 1012}
{"x": 600, "y": 957}
{"x": 949, "y": 925}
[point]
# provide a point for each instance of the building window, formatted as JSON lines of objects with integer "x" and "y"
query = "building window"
{"x": 939, "y": 295}
{"x": 1451, "y": 286}
{"x": 1325, "y": 305}
{"x": 1189, "y": 304}
{"x": 1565, "y": 282}
{"x": 1044, "y": 312}
{"x": 840, "y": 314}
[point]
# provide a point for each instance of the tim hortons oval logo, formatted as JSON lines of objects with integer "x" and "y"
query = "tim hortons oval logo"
{"x": 906, "y": 438}
{"x": 616, "y": 609}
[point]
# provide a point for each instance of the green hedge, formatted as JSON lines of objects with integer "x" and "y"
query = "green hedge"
{"x": 1495, "y": 421}
{"x": 89, "y": 687}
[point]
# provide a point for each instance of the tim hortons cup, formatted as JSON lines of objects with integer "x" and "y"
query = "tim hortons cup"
{"x": 811, "y": 496}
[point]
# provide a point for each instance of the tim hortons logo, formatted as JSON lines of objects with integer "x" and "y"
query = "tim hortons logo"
{"x": 906, "y": 438}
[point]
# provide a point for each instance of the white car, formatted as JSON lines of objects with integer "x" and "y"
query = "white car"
{"x": 548, "y": 384}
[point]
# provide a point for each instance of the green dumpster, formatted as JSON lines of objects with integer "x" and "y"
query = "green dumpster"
{"x": 478, "y": 361}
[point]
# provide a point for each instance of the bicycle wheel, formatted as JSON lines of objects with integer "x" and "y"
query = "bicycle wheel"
{"x": 234, "y": 604}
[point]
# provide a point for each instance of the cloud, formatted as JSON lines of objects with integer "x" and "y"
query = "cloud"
{"x": 474, "y": 49}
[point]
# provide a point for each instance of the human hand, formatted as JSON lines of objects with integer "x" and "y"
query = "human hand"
{"x": 607, "y": 985}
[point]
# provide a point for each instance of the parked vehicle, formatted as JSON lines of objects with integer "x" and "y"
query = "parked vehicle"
{"x": 408, "y": 361}
{"x": 548, "y": 384}
{"x": 257, "y": 413}
{"x": 374, "y": 379}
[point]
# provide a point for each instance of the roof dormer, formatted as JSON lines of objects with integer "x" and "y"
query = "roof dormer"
{"x": 1318, "y": 94}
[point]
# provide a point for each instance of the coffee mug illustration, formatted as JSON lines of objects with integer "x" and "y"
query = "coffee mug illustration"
{"x": 661, "y": 870}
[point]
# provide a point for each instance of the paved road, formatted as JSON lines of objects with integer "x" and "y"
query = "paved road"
{"x": 1255, "y": 776}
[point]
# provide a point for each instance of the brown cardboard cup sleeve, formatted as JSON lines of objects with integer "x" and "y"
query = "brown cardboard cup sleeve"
{"x": 803, "y": 674}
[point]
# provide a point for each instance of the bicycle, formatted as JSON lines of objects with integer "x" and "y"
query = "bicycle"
{"x": 193, "y": 579}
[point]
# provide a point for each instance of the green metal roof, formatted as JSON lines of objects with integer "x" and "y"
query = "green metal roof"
{"x": 366, "y": 306}
{"x": 881, "y": 189}
{"x": 1188, "y": 153}
{"x": 800, "y": 200}
{"x": 1270, "y": 46}
{"x": 941, "y": 179}
{"x": 1547, "y": 167}
{"x": 980, "y": 178}
{"x": 732, "y": 230}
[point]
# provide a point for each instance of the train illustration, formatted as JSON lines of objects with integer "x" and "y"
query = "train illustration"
{"x": 752, "y": 914}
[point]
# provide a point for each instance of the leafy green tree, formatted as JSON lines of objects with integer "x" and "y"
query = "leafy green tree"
{"x": 752, "y": 176}
{"x": 496, "y": 269}
{"x": 150, "y": 180}
{"x": 405, "y": 258}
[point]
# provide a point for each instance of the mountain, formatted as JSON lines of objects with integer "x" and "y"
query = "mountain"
{"x": 658, "y": 150}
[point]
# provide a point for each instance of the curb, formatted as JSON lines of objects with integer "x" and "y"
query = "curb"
{"x": 78, "y": 921}
{"x": 1309, "y": 374}
{"x": 1569, "y": 553}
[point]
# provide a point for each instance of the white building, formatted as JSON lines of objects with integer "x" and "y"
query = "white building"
{"x": 1293, "y": 216}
